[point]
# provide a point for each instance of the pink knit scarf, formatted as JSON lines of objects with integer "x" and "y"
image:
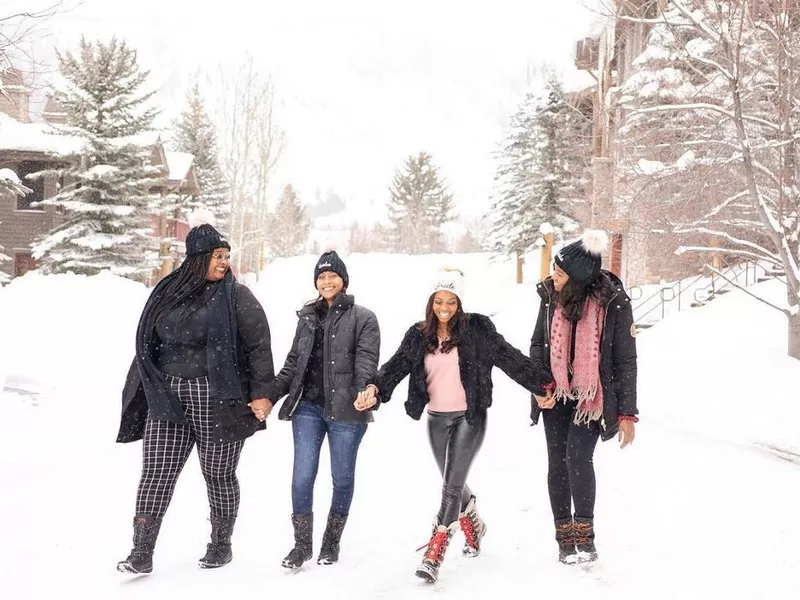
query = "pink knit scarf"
{"x": 585, "y": 386}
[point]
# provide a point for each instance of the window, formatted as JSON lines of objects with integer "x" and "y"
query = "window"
{"x": 37, "y": 185}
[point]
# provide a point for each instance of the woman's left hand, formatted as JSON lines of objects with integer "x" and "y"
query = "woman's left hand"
{"x": 627, "y": 431}
{"x": 261, "y": 408}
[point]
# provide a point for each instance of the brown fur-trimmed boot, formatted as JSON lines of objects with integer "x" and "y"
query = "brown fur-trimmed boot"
{"x": 565, "y": 538}
{"x": 584, "y": 539}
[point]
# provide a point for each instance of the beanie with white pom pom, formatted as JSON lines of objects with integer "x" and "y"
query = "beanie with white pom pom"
{"x": 582, "y": 260}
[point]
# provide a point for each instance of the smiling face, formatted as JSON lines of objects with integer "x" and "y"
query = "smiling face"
{"x": 445, "y": 306}
{"x": 219, "y": 264}
{"x": 560, "y": 278}
{"x": 329, "y": 285}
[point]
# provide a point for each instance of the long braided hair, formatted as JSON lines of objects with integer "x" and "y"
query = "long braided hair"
{"x": 185, "y": 287}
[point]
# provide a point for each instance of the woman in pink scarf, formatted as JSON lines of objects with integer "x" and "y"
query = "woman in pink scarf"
{"x": 585, "y": 336}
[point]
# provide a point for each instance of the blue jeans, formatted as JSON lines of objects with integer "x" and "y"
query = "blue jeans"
{"x": 309, "y": 429}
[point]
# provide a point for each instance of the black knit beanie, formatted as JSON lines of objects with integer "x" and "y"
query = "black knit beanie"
{"x": 204, "y": 238}
{"x": 330, "y": 261}
{"x": 582, "y": 260}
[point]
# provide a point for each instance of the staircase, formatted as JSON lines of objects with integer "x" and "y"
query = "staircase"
{"x": 696, "y": 292}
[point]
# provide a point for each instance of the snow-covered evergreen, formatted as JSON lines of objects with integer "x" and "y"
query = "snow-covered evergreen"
{"x": 288, "y": 226}
{"x": 106, "y": 192}
{"x": 419, "y": 205}
{"x": 196, "y": 134}
{"x": 539, "y": 172}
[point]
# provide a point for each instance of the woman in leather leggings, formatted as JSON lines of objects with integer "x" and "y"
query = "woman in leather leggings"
{"x": 449, "y": 358}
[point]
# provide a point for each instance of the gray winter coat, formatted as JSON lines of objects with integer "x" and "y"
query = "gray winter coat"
{"x": 351, "y": 348}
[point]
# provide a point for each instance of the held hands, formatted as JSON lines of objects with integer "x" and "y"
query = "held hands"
{"x": 261, "y": 408}
{"x": 366, "y": 398}
{"x": 546, "y": 402}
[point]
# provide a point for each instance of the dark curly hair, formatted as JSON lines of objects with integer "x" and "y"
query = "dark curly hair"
{"x": 455, "y": 328}
{"x": 572, "y": 297}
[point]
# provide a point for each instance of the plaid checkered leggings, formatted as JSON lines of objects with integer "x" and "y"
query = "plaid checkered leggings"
{"x": 166, "y": 447}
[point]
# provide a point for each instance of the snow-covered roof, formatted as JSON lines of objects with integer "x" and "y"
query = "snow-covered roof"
{"x": 178, "y": 164}
{"x": 36, "y": 137}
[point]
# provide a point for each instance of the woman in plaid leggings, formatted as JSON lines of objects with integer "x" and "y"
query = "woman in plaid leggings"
{"x": 203, "y": 362}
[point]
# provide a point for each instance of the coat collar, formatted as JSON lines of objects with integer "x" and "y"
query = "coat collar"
{"x": 546, "y": 288}
{"x": 342, "y": 301}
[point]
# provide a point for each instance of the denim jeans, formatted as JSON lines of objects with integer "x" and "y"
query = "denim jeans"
{"x": 309, "y": 429}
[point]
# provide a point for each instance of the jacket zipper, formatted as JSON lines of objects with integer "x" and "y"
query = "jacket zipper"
{"x": 299, "y": 395}
{"x": 602, "y": 344}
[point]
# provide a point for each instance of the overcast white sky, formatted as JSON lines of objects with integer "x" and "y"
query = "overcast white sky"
{"x": 362, "y": 84}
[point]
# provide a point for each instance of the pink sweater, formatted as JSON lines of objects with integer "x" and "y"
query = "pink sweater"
{"x": 444, "y": 382}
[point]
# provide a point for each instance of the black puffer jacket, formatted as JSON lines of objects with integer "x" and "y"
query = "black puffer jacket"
{"x": 351, "y": 349}
{"x": 617, "y": 353}
{"x": 481, "y": 349}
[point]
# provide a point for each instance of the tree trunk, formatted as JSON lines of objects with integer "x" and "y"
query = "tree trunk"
{"x": 793, "y": 345}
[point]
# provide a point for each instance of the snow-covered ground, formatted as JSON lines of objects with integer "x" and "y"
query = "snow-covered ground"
{"x": 701, "y": 506}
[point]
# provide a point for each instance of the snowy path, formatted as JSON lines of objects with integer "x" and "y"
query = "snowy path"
{"x": 677, "y": 515}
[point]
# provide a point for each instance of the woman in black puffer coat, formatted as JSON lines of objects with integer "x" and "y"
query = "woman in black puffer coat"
{"x": 585, "y": 337}
{"x": 334, "y": 354}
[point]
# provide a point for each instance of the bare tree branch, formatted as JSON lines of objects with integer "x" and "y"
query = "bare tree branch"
{"x": 702, "y": 106}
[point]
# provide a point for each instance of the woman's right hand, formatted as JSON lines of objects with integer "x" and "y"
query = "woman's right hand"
{"x": 546, "y": 402}
{"x": 365, "y": 399}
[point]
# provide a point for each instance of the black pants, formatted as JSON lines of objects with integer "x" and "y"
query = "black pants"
{"x": 455, "y": 444}
{"x": 570, "y": 452}
{"x": 166, "y": 447}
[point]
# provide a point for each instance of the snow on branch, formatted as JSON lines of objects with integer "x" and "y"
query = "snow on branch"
{"x": 691, "y": 15}
{"x": 722, "y": 206}
{"x": 702, "y": 106}
{"x": 743, "y": 253}
{"x": 732, "y": 239}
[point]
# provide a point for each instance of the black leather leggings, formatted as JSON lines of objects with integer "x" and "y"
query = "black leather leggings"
{"x": 455, "y": 444}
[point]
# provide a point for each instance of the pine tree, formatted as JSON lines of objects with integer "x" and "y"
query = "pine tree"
{"x": 539, "y": 176}
{"x": 419, "y": 205}
{"x": 289, "y": 226}
{"x": 195, "y": 133}
{"x": 106, "y": 191}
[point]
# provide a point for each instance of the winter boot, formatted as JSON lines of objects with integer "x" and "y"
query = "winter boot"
{"x": 565, "y": 537}
{"x": 473, "y": 527}
{"x": 218, "y": 552}
{"x": 145, "y": 532}
{"x": 434, "y": 555}
{"x": 303, "y": 541}
{"x": 329, "y": 553}
{"x": 584, "y": 539}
